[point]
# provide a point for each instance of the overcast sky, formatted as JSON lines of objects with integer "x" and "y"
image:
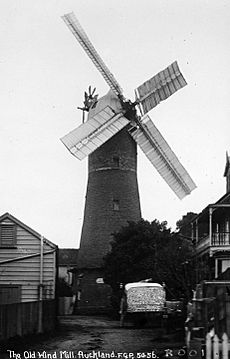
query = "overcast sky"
{"x": 44, "y": 73}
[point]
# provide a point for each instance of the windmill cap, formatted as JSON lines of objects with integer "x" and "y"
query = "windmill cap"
{"x": 111, "y": 100}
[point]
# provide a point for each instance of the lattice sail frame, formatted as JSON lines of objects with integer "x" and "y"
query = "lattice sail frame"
{"x": 160, "y": 87}
{"x": 104, "y": 124}
{"x": 162, "y": 157}
{"x": 75, "y": 27}
{"x": 89, "y": 136}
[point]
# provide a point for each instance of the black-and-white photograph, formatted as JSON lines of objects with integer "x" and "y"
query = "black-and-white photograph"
{"x": 115, "y": 179}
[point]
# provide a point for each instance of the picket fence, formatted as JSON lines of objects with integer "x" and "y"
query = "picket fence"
{"x": 217, "y": 348}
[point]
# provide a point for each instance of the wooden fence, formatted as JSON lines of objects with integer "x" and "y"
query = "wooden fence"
{"x": 20, "y": 319}
{"x": 222, "y": 314}
{"x": 217, "y": 348}
{"x": 213, "y": 313}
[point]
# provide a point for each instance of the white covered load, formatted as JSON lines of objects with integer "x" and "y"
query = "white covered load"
{"x": 145, "y": 297}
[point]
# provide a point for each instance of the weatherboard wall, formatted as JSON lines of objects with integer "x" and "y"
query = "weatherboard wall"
{"x": 20, "y": 266}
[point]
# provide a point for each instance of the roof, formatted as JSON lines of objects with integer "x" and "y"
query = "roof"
{"x": 225, "y": 199}
{"x": 27, "y": 228}
{"x": 142, "y": 284}
{"x": 67, "y": 256}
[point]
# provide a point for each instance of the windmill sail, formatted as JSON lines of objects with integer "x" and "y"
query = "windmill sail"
{"x": 160, "y": 87}
{"x": 93, "y": 133}
{"x": 75, "y": 27}
{"x": 106, "y": 120}
{"x": 163, "y": 158}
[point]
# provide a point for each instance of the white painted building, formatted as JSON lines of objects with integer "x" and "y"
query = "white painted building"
{"x": 28, "y": 267}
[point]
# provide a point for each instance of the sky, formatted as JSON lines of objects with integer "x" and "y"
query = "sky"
{"x": 44, "y": 73}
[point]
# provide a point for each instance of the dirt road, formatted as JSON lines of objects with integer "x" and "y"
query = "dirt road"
{"x": 100, "y": 337}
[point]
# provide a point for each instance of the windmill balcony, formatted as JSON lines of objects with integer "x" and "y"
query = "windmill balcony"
{"x": 218, "y": 241}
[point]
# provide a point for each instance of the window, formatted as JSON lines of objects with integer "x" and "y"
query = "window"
{"x": 116, "y": 206}
{"x": 116, "y": 161}
{"x": 7, "y": 235}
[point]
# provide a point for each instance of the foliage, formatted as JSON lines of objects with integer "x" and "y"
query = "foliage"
{"x": 176, "y": 266}
{"x": 184, "y": 226}
{"x": 132, "y": 257}
{"x": 149, "y": 250}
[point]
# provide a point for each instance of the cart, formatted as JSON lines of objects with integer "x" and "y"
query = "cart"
{"x": 142, "y": 300}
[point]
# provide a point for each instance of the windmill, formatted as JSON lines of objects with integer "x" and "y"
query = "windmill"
{"x": 114, "y": 128}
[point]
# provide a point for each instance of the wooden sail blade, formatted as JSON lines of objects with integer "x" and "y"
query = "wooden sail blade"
{"x": 163, "y": 158}
{"x": 75, "y": 27}
{"x": 160, "y": 87}
{"x": 93, "y": 133}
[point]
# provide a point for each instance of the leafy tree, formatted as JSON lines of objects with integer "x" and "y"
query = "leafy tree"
{"x": 176, "y": 266}
{"x": 132, "y": 257}
{"x": 184, "y": 226}
{"x": 149, "y": 250}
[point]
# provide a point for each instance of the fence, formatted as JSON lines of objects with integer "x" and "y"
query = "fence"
{"x": 217, "y": 348}
{"x": 19, "y": 319}
{"x": 213, "y": 313}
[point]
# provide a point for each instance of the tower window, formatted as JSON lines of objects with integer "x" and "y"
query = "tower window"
{"x": 116, "y": 161}
{"x": 7, "y": 235}
{"x": 116, "y": 206}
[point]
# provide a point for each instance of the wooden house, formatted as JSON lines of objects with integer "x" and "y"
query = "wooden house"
{"x": 27, "y": 263}
{"x": 28, "y": 273}
{"x": 211, "y": 235}
{"x": 209, "y": 310}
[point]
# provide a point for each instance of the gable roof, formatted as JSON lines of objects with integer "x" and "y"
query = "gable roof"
{"x": 225, "y": 199}
{"x": 67, "y": 256}
{"x": 27, "y": 228}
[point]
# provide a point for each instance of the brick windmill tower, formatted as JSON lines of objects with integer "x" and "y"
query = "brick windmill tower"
{"x": 109, "y": 137}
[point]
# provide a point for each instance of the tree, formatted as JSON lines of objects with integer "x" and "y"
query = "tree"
{"x": 176, "y": 266}
{"x": 184, "y": 225}
{"x": 132, "y": 257}
{"x": 149, "y": 250}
